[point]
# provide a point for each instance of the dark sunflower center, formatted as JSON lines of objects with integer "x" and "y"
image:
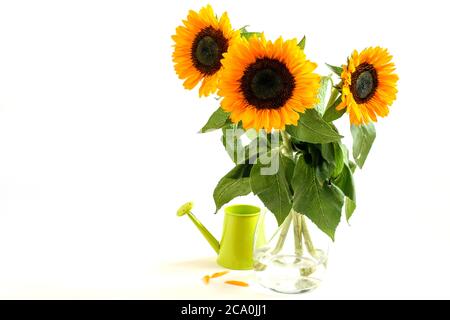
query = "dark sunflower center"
{"x": 364, "y": 82}
{"x": 267, "y": 84}
{"x": 207, "y": 50}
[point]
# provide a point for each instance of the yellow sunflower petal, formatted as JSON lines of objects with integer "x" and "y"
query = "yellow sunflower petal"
{"x": 374, "y": 85}
{"x": 266, "y": 84}
{"x": 200, "y": 30}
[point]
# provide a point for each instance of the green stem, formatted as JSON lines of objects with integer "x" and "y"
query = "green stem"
{"x": 307, "y": 237}
{"x": 284, "y": 230}
{"x": 298, "y": 235}
{"x": 333, "y": 96}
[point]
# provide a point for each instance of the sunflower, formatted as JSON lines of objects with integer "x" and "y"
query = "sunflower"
{"x": 199, "y": 46}
{"x": 266, "y": 84}
{"x": 368, "y": 85}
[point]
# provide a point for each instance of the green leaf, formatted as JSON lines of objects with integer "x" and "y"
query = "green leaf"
{"x": 313, "y": 129}
{"x": 328, "y": 159}
{"x": 262, "y": 144}
{"x": 350, "y": 207}
{"x": 289, "y": 166}
{"x": 302, "y": 43}
{"x": 244, "y": 28}
{"x": 339, "y": 150}
{"x": 325, "y": 84}
{"x": 335, "y": 69}
{"x": 363, "y": 138}
{"x": 334, "y": 156}
{"x": 217, "y": 121}
{"x": 322, "y": 203}
{"x": 352, "y": 166}
{"x": 234, "y": 184}
{"x": 322, "y": 159}
{"x": 274, "y": 190}
{"x": 231, "y": 140}
{"x": 347, "y": 160}
{"x": 331, "y": 113}
{"x": 345, "y": 182}
{"x": 248, "y": 34}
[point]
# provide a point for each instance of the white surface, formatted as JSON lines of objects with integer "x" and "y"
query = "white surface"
{"x": 98, "y": 147}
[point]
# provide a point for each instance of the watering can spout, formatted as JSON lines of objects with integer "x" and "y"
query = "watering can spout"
{"x": 186, "y": 210}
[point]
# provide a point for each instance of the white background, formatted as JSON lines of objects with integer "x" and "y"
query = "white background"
{"x": 98, "y": 148}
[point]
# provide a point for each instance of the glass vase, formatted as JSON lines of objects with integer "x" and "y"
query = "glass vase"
{"x": 294, "y": 258}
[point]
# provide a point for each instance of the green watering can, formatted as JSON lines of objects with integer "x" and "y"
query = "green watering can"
{"x": 235, "y": 250}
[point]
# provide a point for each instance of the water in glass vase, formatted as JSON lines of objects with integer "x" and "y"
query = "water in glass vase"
{"x": 289, "y": 273}
{"x": 290, "y": 262}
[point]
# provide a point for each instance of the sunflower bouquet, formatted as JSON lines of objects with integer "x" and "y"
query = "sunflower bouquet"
{"x": 277, "y": 115}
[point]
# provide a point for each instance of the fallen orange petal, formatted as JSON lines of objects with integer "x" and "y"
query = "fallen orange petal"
{"x": 206, "y": 279}
{"x": 237, "y": 283}
{"x": 219, "y": 274}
